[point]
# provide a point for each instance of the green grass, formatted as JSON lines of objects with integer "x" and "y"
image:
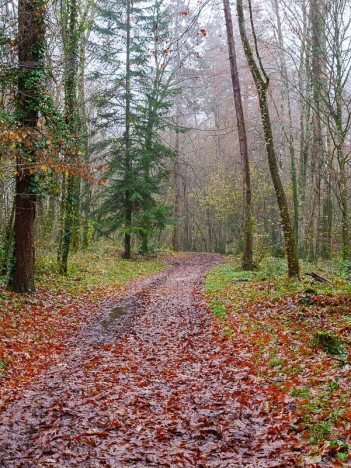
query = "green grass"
{"x": 272, "y": 275}
{"x": 98, "y": 267}
{"x": 301, "y": 392}
{"x": 222, "y": 276}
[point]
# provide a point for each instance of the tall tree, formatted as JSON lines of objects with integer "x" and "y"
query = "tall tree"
{"x": 31, "y": 76}
{"x": 128, "y": 202}
{"x": 71, "y": 183}
{"x": 261, "y": 80}
{"x": 338, "y": 100}
{"x": 177, "y": 179}
{"x": 131, "y": 201}
{"x": 318, "y": 148}
{"x": 248, "y": 215}
{"x": 304, "y": 86}
{"x": 286, "y": 102}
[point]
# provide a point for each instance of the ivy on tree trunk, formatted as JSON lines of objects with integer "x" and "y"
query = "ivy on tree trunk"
{"x": 31, "y": 75}
{"x": 70, "y": 204}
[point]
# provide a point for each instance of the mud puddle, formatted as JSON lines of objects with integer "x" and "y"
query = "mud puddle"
{"x": 114, "y": 315}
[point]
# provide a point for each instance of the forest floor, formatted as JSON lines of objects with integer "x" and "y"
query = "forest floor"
{"x": 298, "y": 337}
{"x": 147, "y": 376}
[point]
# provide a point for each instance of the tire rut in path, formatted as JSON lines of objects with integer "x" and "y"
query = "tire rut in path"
{"x": 158, "y": 387}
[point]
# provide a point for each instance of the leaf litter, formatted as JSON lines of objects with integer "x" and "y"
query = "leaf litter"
{"x": 160, "y": 386}
{"x": 299, "y": 343}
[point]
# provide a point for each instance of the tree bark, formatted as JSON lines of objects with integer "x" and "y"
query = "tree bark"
{"x": 305, "y": 117}
{"x": 318, "y": 150}
{"x": 247, "y": 261}
{"x": 177, "y": 186}
{"x": 69, "y": 215}
{"x": 290, "y": 133}
{"x": 262, "y": 82}
{"x": 86, "y": 187}
{"x": 341, "y": 132}
{"x": 177, "y": 178}
{"x": 31, "y": 49}
{"x": 8, "y": 248}
{"x": 128, "y": 208}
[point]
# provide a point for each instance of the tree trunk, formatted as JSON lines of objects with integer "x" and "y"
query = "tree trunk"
{"x": 86, "y": 186}
{"x": 305, "y": 112}
{"x": 128, "y": 208}
{"x": 70, "y": 205}
{"x": 262, "y": 81}
{"x": 177, "y": 186}
{"x": 344, "y": 207}
{"x": 288, "y": 134}
{"x": 247, "y": 262}
{"x": 8, "y": 244}
{"x": 341, "y": 133}
{"x": 177, "y": 178}
{"x": 31, "y": 50}
{"x": 318, "y": 152}
{"x": 326, "y": 223}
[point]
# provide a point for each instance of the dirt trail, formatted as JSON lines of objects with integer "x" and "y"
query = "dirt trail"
{"x": 158, "y": 386}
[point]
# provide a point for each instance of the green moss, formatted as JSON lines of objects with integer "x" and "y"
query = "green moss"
{"x": 329, "y": 342}
{"x": 302, "y": 392}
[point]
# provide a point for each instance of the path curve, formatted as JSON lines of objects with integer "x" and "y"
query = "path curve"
{"x": 159, "y": 387}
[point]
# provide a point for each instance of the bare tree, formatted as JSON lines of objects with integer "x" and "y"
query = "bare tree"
{"x": 248, "y": 223}
{"x": 261, "y": 80}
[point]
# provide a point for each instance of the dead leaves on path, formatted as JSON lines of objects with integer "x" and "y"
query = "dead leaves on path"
{"x": 162, "y": 387}
{"x": 34, "y": 330}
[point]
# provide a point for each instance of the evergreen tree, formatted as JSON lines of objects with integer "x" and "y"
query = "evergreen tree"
{"x": 137, "y": 155}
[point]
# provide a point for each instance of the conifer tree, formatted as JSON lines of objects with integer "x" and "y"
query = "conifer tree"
{"x": 136, "y": 168}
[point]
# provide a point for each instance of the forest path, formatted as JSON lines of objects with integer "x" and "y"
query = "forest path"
{"x": 159, "y": 386}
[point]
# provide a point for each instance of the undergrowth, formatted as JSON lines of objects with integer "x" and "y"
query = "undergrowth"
{"x": 98, "y": 267}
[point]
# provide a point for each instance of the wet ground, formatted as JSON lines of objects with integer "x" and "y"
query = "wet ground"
{"x": 153, "y": 383}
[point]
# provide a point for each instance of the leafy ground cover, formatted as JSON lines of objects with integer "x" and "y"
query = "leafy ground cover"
{"x": 298, "y": 335}
{"x": 34, "y": 327}
{"x": 160, "y": 386}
